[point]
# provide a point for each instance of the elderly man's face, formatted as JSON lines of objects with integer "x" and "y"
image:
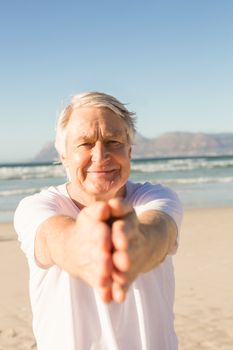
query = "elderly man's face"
{"x": 97, "y": 155}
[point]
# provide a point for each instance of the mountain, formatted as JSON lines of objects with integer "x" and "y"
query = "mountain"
{"x": 48, "y": 153}
{"x": 170, "y": 144}
{"x": 186, "y": 144}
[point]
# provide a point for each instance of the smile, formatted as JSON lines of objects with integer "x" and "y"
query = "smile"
{"x": 101, "y": 172}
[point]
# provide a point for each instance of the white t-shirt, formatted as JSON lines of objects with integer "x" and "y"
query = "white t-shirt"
{"x": 68, "y": 314}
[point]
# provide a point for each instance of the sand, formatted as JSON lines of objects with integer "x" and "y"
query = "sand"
{"x": 204, "y": 279}
{"x": 204, "y": 285}
{"x": 15, "y": 314}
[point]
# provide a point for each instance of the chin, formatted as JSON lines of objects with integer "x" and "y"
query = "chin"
{"x": 105, "y": 192}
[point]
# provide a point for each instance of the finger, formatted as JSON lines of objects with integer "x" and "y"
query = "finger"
{"x": 120, "y": 277}
{"x": 106, "y": 294}
{"x": 104, "y": 281}
{"x": 104, "y": 270}
{"x": 119, "y": 235}
{"x": 119, "y": 207}
{"x": 98, "y": 211}
{"x": 121, "y": 260}
{"x": 118, "y": 293}
{"x": 103, "y": 238}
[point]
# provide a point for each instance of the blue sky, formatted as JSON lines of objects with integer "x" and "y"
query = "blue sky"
{"x": 171, "y": 61}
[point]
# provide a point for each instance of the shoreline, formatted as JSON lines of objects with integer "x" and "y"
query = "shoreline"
{"x": 204, "y": 288}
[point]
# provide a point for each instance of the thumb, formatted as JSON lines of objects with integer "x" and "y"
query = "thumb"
{"x": 98, "y": 211}
{"x": 119, "y": 207}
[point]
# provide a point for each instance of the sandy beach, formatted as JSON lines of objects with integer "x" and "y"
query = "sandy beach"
{"x": 15, "y": 314}
{"x": 204, "y": 285}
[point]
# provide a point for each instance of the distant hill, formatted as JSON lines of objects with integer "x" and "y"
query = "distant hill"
{"x": 170, "y": 144}
{"x": 48, "y": 153}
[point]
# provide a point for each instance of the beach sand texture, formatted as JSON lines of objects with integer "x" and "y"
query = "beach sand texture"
{"x": 15, "y": 314}
{"x": 204, "y": 285}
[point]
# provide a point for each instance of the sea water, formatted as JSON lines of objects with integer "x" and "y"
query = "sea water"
{"x": 199, "y": 181}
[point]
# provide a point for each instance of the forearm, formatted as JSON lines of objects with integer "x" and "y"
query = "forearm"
{"x": 81, "y": 247}
{"x": 51, "y": 241}
{"x": 160, "y": 233}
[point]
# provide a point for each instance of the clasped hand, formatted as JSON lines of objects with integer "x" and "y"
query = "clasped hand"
{"x": 110, "y": 255}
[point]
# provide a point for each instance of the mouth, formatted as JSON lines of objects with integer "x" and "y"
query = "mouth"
{"x": 102, "y": 172}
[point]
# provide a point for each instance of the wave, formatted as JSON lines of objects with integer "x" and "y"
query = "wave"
{"x": 31, "y": 172}
{"x": 20, "y": 191}
{"x": 171, "y": 181}
{"x": 195, "y": 180}
{"x": 180, "y": 165}
{"x": 25, "y": 172}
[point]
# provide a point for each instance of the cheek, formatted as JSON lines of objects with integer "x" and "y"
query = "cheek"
{"x": 122, "y": 152}
{"x": 126, "y": 169}
{"x": 79, "y": 159}
{"x": 77, "y": 164}
{"x": 124, "y": 160}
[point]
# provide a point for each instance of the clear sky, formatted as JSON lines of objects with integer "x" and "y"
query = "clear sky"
{"x": 170, "y": 60}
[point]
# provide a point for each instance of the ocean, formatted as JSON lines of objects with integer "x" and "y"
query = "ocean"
{"x": 199, "y": 181}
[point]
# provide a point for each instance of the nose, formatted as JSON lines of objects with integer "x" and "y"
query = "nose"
{"x": 99, "y": 152}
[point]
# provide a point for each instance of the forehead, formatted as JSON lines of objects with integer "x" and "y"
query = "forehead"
{"x": 88, "y": 121}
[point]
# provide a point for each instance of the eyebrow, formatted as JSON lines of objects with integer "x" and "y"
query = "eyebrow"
{"x": 87, "y": 136}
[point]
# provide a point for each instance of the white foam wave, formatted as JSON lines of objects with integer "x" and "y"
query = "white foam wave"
{"x": 153, "y": 166}
{"x": 170, "y": 181}
{"x": 181, "y": 165}
{"x": 31, "y": 172}
{"x": 195, "y": 180}
{"x": 18, "y": 191}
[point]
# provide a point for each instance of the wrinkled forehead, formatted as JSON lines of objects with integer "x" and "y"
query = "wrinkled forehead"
{"x": 90, "y": 121}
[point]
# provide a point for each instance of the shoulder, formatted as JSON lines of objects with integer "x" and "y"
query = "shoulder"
{"x": 38, "y": 207}
{"x": 148, "y": 196}
{"x": 33, "y": 210}
{"x": 50, "y": 195}
{"x": 140, "y": 193}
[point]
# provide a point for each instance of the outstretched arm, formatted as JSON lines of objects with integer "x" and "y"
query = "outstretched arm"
{"x": 107, "y": 258}
{"x": 82, "y": 247}
{"x": 140, "y": 244}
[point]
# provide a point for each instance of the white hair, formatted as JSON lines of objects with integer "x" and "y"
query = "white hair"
{"x": 92, "y": 99}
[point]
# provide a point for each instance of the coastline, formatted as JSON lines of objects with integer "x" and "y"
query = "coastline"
{"x": 204, "y": 287}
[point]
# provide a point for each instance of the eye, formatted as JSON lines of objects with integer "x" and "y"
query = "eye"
{"x": 114, "y": 145}
{"x": 85, "y": 145}
{"x": 113, "y": 142}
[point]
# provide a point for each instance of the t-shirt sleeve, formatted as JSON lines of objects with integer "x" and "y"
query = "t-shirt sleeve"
{"x": 161, "y": 198}
{"x": 31, "y": 212}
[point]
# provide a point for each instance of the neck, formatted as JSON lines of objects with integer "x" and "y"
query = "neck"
{"x": 82, "y": 200}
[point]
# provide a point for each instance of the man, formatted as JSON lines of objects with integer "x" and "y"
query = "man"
{"x": 99, "y": 247}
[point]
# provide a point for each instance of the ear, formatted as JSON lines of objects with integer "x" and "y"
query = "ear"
{"x": 64, "y": 160}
